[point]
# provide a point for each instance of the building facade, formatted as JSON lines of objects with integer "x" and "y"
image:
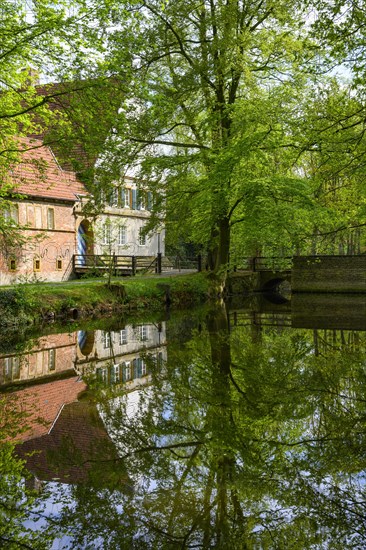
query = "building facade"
{"x": 47, "y": 208}
{"x": 120, "y": 229}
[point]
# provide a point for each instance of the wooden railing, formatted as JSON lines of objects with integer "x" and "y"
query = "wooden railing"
{"x": 118, "y": 265}
{"x": 262, "y": 263}
{"x": 130, "y": 265}
{"x": 260, "y": 319}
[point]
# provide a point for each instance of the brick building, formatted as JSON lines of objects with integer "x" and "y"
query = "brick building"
{"x": 43, "y": 205}
{"x": 47, "y": 205}
{"x": 52, "y": 356}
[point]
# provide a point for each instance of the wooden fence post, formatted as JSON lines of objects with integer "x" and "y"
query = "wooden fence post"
{"x": 158, "y": 262}
{"x": 133, "y": 263}
{"x": 199, "y": 263}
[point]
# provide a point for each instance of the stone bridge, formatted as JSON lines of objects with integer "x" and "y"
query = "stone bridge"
{"x": 336, "y": 274}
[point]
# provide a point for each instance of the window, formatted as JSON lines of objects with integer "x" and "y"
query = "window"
{"x": 134, "y": 199}
{"x": 38, "y": 217}
{"x": 126, "y": 373}
{"x": 143, "y": 332}
{"x": 107, "y": 233}
{"x": 107, "y": 340}
{"x": 139, "y": 367}
{"x": 141, "y": 200}
{"x": 125, "y": 197}
{"x": 59, "y": 264}
{"x": 12, "y": 368}
{"x": 50, "y": 218}
{"x": 143, "y": 368}
{"x": 36, "y": 264}
{"x": 30, "y": 216}
{"x": 12, "y": 264}
{"x": 142, "y": 237}
{"x": 51, "y": 359}
{"x": 116, "y": 374}
{"x": 8, "y": 369}
{"x": 113, "y": 197}
{"x": 122, "y": 235}
{"x": 102, "y": 375}
{"x": 123, "y": 337}
{"x": 11, "y": 214}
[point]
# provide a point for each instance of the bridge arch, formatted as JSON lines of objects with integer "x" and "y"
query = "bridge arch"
{"x": 272, "y": 285}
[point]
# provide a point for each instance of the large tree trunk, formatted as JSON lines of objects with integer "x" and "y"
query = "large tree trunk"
{"x": 222, "y": 260}
{"x": 218, "y": 257}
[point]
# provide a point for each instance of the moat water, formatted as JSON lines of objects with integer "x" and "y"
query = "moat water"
{"x": 231, "y": 427}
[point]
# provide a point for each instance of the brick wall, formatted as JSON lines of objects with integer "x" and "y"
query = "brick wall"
{"x": 329, "y": 274}
{"x": 53, "y": 354}
{"x": 49, "y": 247}
{"x": 329, "y": 311}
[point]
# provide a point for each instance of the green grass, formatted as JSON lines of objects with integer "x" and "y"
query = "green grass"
{"x": 90, "y": 297}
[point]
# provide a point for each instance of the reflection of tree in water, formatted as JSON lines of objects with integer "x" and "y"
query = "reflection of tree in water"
{"x": 244, "y": 440}
{"x": 20, "y": 505}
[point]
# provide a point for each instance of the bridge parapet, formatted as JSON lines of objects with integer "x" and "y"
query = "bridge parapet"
{"x": 329, "y": 274}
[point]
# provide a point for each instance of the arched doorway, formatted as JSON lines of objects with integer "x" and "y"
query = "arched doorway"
{"x": 85, "y": 241}
{"x": 86, "y": 341}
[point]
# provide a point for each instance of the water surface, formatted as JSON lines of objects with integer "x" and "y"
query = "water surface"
{"x": 216, "y": 428}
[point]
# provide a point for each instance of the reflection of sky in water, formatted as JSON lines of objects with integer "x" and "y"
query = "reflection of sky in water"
{"x": 51, "y": 508}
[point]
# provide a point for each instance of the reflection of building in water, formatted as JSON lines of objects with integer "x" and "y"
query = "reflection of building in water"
{"x": 38, "y": 406}
{"x": 60, "y": 437}
{"x": 124, "y": 356}
{"x": 50, "y": 356}
{"x": 77, "y": 449}
{"x": 323, "y": 331}
{"x": 124, "y": 359}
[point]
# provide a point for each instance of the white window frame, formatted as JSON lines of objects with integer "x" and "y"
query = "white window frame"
{"x": 127, "y": 203}
{"x": 128, "y": 372}
{"x": 143, "y": 333}
{"x": 122, "y": 235}
{"x": 50, "y": 218}
{"x": 116, "y": 374}
{"x": 142, "y": 238}
{"x": 143, "y": 368}
{"x": 102, "y": 375}
{"x": 107, "y": 340}
{"x": 8, "y": 370}
{"x": 12, "y": 368}
{"x": 123, "y": 337}
{"x": 107, "y": 232}
{"x": 141, "y": 200}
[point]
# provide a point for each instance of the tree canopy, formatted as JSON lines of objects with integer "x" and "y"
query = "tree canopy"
{"x": 228, "y": 111}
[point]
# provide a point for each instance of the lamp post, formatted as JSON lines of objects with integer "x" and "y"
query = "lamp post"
{"x": 158, "y": 259}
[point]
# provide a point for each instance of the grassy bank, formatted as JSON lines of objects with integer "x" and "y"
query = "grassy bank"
{"x": 27, "y": 303}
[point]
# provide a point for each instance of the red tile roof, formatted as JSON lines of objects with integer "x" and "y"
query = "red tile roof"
{"x": 38, "y": 406}
{"x": 39, "y": 175}
{"x": 77, "y": 450}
